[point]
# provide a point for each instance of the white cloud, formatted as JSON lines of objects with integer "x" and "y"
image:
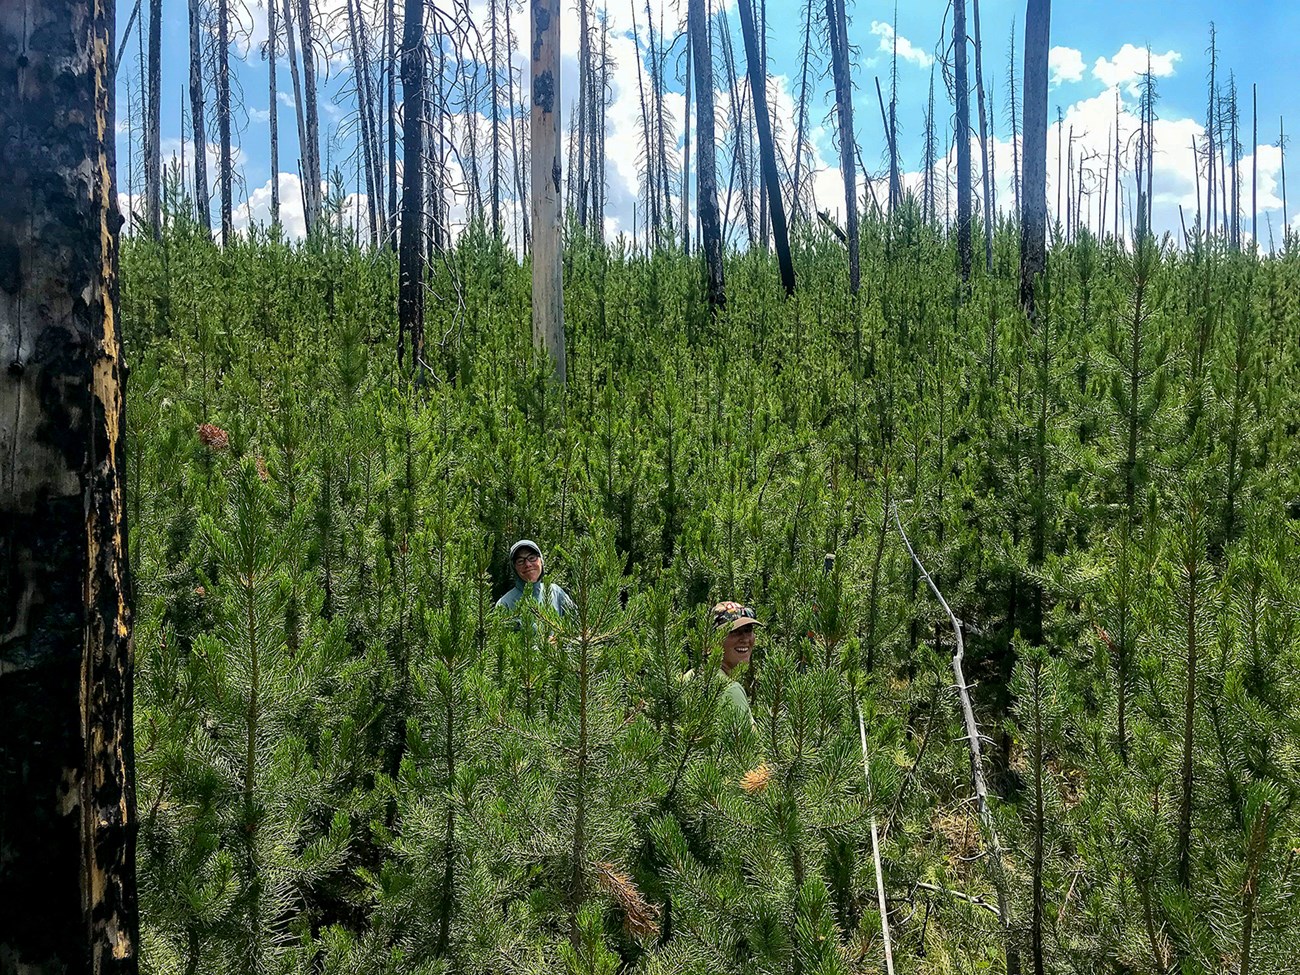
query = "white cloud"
{"x": 1129, "y": 64}
{"x": 1066, "y": 64}
{"x": 907, "y": 51}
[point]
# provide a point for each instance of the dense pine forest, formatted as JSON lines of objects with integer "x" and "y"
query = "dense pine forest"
{"x": 929, "y": 539}
{"x": 348, "y": 763}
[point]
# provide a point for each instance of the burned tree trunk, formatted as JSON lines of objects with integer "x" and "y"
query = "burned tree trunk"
{"x": 202, "y": 208}
{"x": 153, "y": 124}
{"x": 986, "y": 146}
{"x": 706, "y": 162}
{"x": 311, "y": 145}
{"x": 273, "y": 107}
{"x": 67, "y": 796}
{"x": 410, "y": 257}
{"x": 961, "y": 90}
{"x": 766, "y": 147}
{"x": 836, "y": 22}
{"x": 548, "y": 286}
{"x": 390, "y": 30}
{"x": 1033, "y": 197}
{"x": 225, "y": 176}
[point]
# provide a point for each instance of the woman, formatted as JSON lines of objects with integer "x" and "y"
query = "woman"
{"x": 529, "y": 567}
{"x": 738, "y": 622}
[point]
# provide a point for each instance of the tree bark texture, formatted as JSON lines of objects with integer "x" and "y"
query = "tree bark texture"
{"x": 837, "y": 27}
{"x": 706, "y": 164}
{"x": 67, "y": 802}
{"x": 311, "y": 144}
{"x": 1033, "y": 197}
{"x": 766, "y": 147}
{"x": 153, "y": 124}
{"x": 226, "y": 176}
{"x": 962, "y": 91}
{"x": 202, "y": 207}
{"x": 273, "y": 106}
{"x": 548, "y": 286}
{"x": 410, "y": 257}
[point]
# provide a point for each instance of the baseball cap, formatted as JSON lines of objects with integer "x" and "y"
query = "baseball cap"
{"x": 733, "y": 615}
{"x": 524, "y": 543}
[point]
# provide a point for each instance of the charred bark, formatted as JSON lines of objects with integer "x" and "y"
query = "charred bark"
{"x": 706, "y": 164}
{"x": 153, "y": 124}
{"x": 410, "y": 258}
{"x": 837, "y": 23}
{"x": 1033, "y": 213}
{"x": 202, "y": 208}
{"x": 766, "y": 147}
{"x": 67, "y": 796}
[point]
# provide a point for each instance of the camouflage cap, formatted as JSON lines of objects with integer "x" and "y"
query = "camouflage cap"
{"x": 733, "y": 615}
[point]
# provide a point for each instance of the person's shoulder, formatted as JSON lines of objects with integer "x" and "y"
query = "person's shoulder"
{"x": 508, "y": 600}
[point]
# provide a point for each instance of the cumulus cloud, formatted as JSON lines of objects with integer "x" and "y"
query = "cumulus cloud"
{"x": 907, "y": 51}
{"x": 1065, "y": 64}
{"x": 1129, "y": 64}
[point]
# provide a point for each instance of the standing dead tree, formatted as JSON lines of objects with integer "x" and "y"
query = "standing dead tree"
{"x": 310, "y": 139}
{"x": 706, "y": 153}
{"x": 225, "y": 174}
{"x": 961, "y": 91}
{"x": 410, "y": 254}
{"x": 986, "y": 145}
{"x": 67, "y": 789}
{"x": 153, "y": 123}
{"x": 548, "y": 288}
{"x": 197, "y": 98}
{"x": 1033, "y": 209}
{"x": 767, "y": 149}
{"x": 837, "y": 30}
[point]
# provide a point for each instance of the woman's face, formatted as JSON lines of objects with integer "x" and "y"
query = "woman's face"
{"x": 737, "y": 646}
{"x": 528, "y": 565}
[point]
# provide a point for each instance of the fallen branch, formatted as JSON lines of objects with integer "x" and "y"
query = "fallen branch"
{"x": 875, "y": 855}
{"x": 996, "y": 869}
{"x": 969, "y": 899}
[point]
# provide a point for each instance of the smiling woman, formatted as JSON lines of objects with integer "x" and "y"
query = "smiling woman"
{"x": 738, "y": 623}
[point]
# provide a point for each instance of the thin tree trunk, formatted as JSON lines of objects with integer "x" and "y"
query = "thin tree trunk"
{"x": 1033, "y": 215}
{"x": 1192, "y": 571}
{"x": 548, "y": 285}
{"x": 1254, "y": 167}
{"x": 410, "y": 300}
{"x": 273, "y": 106}
{"x": 706, "y": 157}
{"x": 686, "y": 159}
{"x": 297, "y": 104}
{"x": 153, "y": 124}
{"x": 1016, "y": 128}
{"x": 584, "y": 152}
{"x": 311, "y": 147}
{"x": 767, "y": 149}
{"x": 962, "y": 92}
{"x": 837, "y": 24}
{"x": 986, "y": 146}
{"x": 67, "y": 789}
{"x": 391, "y": 58}
{"x": 226, "y": 176}
{"x": 373, "y": 143}
{"x": 495, "y": 116}
{"x": 516, "y": 158}
{"x": 203, "y": 210}
{"x": 801, "y": 123}
{"x": 364, "y": 108}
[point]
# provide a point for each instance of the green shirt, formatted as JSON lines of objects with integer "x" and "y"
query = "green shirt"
{"x": 737, "y": 703}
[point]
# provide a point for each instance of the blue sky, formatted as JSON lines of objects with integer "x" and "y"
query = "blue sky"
{"x": 1099, "y": 44}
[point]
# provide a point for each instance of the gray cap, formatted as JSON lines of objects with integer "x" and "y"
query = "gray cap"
{"x": 524, "y": 543}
